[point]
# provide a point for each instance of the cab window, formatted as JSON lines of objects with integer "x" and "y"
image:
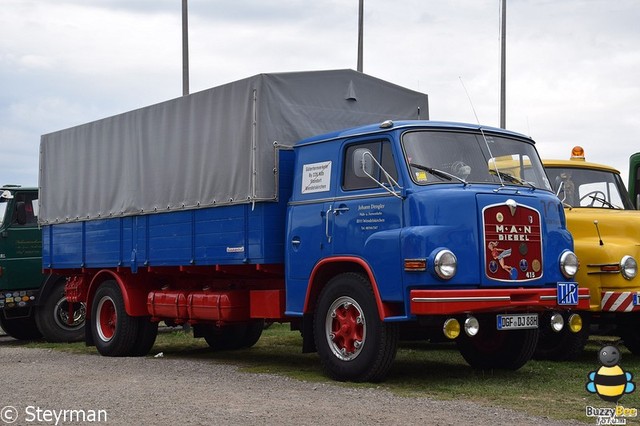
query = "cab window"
{"x": 26, "y": 209}
{"x": 361, "y": 165}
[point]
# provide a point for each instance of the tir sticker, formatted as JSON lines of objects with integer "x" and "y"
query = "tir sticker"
{"x": 512, "y": 241}
{"x": 316, "y": 177}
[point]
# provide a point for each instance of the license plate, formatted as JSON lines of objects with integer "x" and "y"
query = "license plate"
{"x": 517, "y": 321}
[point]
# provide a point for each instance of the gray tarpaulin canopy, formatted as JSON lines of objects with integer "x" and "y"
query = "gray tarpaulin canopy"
{"x": 210, "y": 148}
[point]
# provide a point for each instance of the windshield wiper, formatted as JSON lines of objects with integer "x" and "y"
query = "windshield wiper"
{"x": 441, "y": 174}
{"x": 511, "y": 178}
{"x": 604, "y": 202}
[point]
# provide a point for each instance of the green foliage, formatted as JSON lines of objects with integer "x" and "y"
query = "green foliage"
{"x": 421, "y": 369}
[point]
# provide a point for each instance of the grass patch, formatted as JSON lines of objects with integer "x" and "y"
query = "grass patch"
{"x": 541, "y": 388}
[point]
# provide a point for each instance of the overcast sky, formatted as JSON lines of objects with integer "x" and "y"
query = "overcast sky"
{"x": 572, "y": 65}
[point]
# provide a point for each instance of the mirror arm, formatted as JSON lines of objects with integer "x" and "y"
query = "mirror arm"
{"x": 390, "y": 180}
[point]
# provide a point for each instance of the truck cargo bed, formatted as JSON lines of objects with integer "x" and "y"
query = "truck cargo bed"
{"x": 251, "y": 233}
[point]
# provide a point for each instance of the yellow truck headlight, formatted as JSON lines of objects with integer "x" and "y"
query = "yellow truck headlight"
{"x": 629, "y": 267}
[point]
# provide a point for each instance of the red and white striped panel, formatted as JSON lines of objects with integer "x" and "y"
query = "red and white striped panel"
{"x": 619, "y": 302}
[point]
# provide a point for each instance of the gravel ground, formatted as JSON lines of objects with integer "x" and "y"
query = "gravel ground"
{"x": 169, "y": 391}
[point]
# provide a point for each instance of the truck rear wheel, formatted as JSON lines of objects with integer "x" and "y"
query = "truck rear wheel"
{"x": 52, "y": 317}
{"x": 147, "y": 333}
{"x": 493, "y": 349}
{"x": 563, "y": 345}
{"x": 23, "y": 328}
{"x": 352, "y": 341}
{"x": 114, "y": 331}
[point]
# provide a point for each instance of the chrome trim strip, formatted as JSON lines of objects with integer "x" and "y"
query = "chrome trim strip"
{"x": 461, "y": 299}
{"x": 344, "y": 198}
{"x": 580, "y": 296}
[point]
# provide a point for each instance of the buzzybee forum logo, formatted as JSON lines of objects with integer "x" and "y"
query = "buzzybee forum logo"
{"x": 610, "y": 382}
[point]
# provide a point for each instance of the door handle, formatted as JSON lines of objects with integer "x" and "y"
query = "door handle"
{"x": 341, "y": 209}
{"x": 326, "y": 223}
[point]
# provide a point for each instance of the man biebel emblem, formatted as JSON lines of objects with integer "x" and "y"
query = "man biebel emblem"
{"x": 513, "y": 242}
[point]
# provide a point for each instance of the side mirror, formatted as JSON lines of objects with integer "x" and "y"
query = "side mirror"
{"x": 21, "y": 213}
{"x": 362, "y": 164}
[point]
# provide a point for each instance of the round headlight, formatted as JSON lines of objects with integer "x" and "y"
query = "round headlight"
{"x": 451, "y": 328}
{"x": 445, "y": 264}
{"x": 569, "y": 264}
{"x": 629, "y": 267}
{"x": 557, "y": 322}
{"x": 575, "y": 323}
{"x": 471, "y": 326}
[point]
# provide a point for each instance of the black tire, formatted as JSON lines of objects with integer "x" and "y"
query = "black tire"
{"x": 52, "y": 317}
{"x": 147, "y": 333}
{"x": 253, "y": 334}
{"x": 23, "y": 328}
{"x": 563, "y": 345}
{"x": 630, "y": 333}
{"x": 352, "y": 342}
{"x": 500, "y": 350}
{"x": 114, "y": 332}
{"x": 234, "y": 336}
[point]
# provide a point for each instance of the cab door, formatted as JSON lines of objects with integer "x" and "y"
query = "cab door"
{"x": 21, "y": 244}
{"x": 365, "y": 217}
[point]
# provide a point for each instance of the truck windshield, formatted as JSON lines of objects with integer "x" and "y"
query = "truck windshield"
{"x": 580, "y": 187}
{"x": 450, "y": 157}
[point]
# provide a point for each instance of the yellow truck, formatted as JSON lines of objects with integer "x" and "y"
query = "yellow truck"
{"x": 606, "y": 230}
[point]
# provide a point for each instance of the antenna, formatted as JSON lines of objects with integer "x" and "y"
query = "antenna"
{"x": 595, "y": 222}
{"x": 470, "y": 101}
{"x": 486, "y": 143}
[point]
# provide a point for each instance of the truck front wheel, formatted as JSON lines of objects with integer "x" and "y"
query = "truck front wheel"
{"x": 629, "y": 332}
{"x": 20, "y": 328}
{"x": 494, "y": 349}
{"x": 54, "y": 320}
{"x": 352, "y": 341}
{"x": 114, "y": 331}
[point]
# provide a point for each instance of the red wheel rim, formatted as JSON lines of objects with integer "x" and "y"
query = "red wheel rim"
{"x": 106, "y": 319}
{"x": 345, "y": 328}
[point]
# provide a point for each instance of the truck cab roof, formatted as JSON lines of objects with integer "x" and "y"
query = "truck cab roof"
{"x": 579, "y": 164}
{"x": 405, "y": 124}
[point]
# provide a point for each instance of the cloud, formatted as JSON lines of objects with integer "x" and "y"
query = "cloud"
{"x": 571, "y": 65}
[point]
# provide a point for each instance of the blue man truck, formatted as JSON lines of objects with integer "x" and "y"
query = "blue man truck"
{"x": 237, "y": 205}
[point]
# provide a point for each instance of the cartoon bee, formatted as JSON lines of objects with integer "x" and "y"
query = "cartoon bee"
{"x": 610, "y": 382}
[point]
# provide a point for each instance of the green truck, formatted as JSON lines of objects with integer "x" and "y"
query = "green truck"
{"x": 32, "y": 305}
{"x": 634, "y": 179}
